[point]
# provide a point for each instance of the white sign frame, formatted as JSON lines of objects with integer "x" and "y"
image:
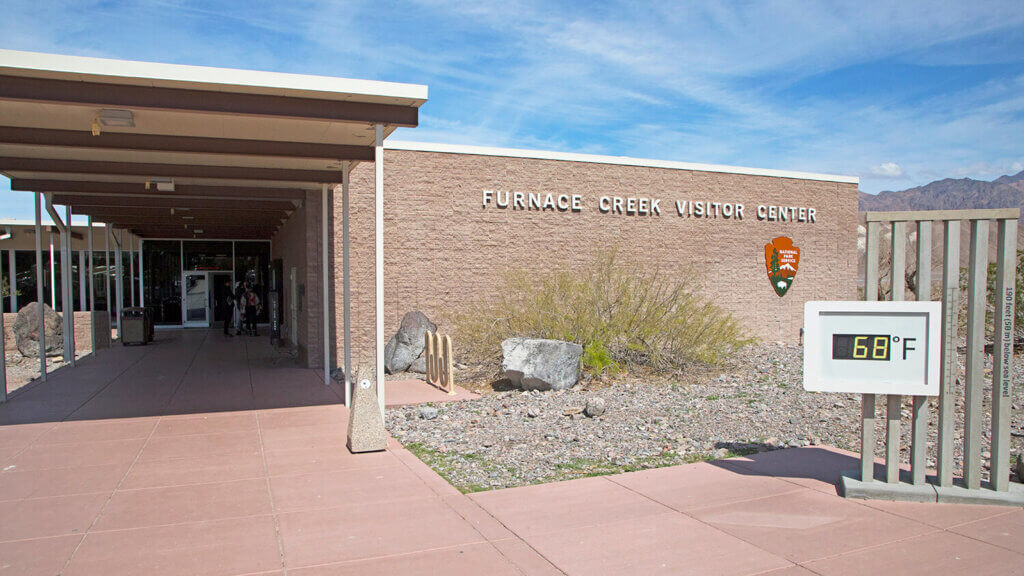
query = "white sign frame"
{"x": 820, "y": 368}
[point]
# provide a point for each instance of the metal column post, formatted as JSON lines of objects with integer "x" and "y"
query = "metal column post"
{"x": 378, "y": 250}
{"x": 975, "y": 377}
{"x": 53, "y": 275}
{"x": 324, "y": 272}
{"x": 919, "y": 426}
{"x": 39, "y": 285}
{"x": 92, "y": 291}
{"x": 950, "y": 367}
{"x": 894, "y": 402}
{"x": 345, "y": 280}
{"x": 3, "y": 362}
{"x": 12, "y": 275}
{"x": 82, "y": 291}
{"x": 131, "y": 267}
{"x": 1006, "y": 268}
{"x": 67, "y": 281}
{"x": 142, "y": 296}
{"x": 106, "y": 267}
{"x": 867, "y": 405}
{"x": 118, "y": 280}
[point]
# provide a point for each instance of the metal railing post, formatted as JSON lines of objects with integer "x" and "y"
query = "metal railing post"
{"x": 977, "y": 273}
{"x": 919, "y": 425}
{"x": 867, "y": 406}
{"x": 1002, "y": 353}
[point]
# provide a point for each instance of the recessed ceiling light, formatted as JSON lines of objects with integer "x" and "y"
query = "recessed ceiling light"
{"x": 198, "y": 230}
{"x": 115, "y": 117}
{"x": 188, "y": 217}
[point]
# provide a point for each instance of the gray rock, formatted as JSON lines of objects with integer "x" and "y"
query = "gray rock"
{"x": 26, "y": 331}
{"x": 536, "y": 364}
{"x": 407, "y": 344}
{"x": 594, "y": 408}
{"x": 419, "y": 365}
{"x": 428, "y": 412}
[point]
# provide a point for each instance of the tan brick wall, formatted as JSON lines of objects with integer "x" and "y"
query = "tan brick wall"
{"x": 443, "y": 250}
{"x": 298, "y": 245}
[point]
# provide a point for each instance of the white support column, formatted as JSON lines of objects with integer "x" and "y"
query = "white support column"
{"x": 12, "y": 275}
{"x": 92, "y": 290}
{"x": 106, "y": 268}
{"x": 67, "y": 282}
{"x": 39, "y": 285}
{"x": 131, "y": 268}
{"x": 53, "y": 276}
{"x": 378, "y": 250}
{"x": 142, "y": 296}
{"x": 3, "y": 363}
{"x": 324, "y": 272}
{"x": 83, "y": 302}
{"x": 118, "y": 280}
{"x": 345, "y": 279}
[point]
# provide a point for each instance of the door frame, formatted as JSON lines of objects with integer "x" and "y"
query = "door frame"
{"x": 185, "y": 322}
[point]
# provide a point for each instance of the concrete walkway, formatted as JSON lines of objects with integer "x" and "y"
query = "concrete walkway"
{"x": 205, "y": 455}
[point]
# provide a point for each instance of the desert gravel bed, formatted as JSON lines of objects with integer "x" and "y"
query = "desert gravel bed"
{"x": 754, "y": 403}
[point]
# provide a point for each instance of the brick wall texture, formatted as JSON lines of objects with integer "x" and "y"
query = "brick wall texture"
{"x": 444, "y": 250}
{"x": 83, "y": 324}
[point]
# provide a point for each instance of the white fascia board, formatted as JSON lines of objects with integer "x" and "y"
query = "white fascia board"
{"x": 618, "y": 160}
{"x": 38, "y": 64}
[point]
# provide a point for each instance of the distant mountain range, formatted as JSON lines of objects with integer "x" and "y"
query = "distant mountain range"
{"x": 947, "y": 194}
{"x": 950, "y": 194}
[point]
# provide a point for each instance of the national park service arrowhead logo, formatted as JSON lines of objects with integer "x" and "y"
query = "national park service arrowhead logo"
{"x": 781, "y": 259}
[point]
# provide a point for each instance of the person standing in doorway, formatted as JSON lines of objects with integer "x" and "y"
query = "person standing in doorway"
{"x": 239, "y": 307}
{"x": 252, "y": 305}
{"x": 228, "y": 307}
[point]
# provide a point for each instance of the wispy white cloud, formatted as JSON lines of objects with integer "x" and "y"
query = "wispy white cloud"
{"x": 765, "y": 84}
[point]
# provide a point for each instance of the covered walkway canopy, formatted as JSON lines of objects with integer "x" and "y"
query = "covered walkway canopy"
{"x": 172, "y": 151}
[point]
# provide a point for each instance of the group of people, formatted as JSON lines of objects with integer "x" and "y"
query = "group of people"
{"x": 242, "y": 305}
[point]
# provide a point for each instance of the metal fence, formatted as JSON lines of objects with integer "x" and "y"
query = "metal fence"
{"x": 1006, "y": 267}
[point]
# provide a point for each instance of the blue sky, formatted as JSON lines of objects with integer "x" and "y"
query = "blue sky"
{"x": 897, "y": 93}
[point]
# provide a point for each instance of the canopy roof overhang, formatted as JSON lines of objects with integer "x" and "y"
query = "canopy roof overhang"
{"x": 229, "y": 152}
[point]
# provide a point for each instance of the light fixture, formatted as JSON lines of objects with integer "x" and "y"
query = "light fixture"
{"x": 163, "y": 184}
{"x": 115, "y": 117}
{"x": 188, "y": 217}
{"x": 198, "y": 230}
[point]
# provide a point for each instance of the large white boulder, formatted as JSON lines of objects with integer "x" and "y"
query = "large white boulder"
{"x": 537, "y": 364}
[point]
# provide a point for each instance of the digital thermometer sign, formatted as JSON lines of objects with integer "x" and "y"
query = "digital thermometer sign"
{"x": 872, "y": 347}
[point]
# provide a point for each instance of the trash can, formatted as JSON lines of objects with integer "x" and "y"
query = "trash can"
{"x": 134, "y": 328}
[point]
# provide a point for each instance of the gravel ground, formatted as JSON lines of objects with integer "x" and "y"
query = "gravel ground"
{"x": 754, "y": 403}
{"x": 22, "y": 370}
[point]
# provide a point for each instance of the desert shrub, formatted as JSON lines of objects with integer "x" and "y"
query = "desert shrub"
{"x": 622, "y": 312}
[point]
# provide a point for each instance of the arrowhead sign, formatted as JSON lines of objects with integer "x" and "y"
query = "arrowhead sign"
{"x": 781, "y": 259}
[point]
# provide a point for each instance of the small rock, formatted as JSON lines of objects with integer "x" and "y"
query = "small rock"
{"x": 572, "y": 410}
{"x": 721, "y": 453}
{"x": 793, "y": 444}
{"x": 428, "y": 412}
{"x": 595, "y": 407}
{"x": 532, "y": 412}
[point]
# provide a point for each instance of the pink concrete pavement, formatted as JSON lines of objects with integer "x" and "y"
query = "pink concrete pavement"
{"x": 206, "y": 455}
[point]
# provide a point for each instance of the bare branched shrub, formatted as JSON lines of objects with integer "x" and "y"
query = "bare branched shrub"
{"x": 623, "y": 314}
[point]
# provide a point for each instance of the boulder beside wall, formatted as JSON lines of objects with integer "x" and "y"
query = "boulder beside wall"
{"x": 26, "y": 331}
{"x": 537, "y": 364}
{"x": 407, "y": 344}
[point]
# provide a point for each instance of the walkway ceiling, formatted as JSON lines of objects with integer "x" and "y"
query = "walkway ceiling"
{"x": 242, "y": 148}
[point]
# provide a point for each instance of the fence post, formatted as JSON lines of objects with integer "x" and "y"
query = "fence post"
{"x": 1002, "y": 353}
{"x": 919, "y": 426}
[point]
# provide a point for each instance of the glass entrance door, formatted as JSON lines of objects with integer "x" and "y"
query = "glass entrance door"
{"x": 196, "y": 296}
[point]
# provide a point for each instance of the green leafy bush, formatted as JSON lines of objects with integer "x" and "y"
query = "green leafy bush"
{"x": 623, "y": 313}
